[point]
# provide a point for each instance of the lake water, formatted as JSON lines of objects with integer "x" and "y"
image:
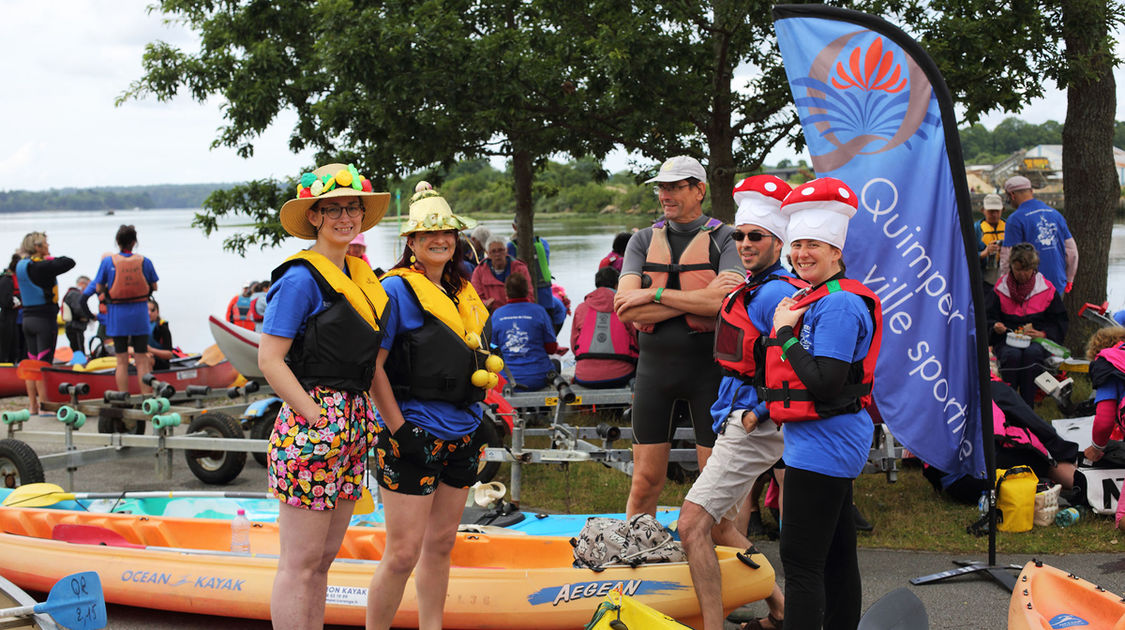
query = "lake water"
{"x": 198, "y": 278}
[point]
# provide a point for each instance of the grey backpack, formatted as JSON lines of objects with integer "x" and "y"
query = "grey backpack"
{"x": 609, "y": 541}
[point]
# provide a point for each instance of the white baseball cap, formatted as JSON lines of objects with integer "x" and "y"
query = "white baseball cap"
{"x": 679, "y": 168}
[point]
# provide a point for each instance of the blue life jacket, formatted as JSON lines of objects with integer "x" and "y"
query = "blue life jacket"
{"x": 31, "y": 294}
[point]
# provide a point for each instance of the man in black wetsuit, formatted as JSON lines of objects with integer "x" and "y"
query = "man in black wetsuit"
{"x": 673, "y": 281}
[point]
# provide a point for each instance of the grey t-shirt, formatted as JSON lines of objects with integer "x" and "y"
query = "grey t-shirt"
{"x": 724, "y": 251}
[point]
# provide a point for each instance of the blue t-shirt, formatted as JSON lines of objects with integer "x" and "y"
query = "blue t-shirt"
{"x": 442, "y": 419}
{"x": 734, "y": 393}
{"x": 557, "y": 312}
{"x": 123, "y": 319}
{"x": 1041, "y": 225}
{"x": 519, "y": 331}
{"x": 837, "y": 326}
{"x": 291, "y": 301}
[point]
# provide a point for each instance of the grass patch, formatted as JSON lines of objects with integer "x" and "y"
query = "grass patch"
{"x": 907, "y": 514}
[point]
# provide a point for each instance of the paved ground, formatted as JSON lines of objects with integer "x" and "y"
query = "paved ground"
{"x": 969, "y": 602}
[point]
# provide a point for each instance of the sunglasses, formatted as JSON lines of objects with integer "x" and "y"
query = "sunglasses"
{"x": 753, "y": 236}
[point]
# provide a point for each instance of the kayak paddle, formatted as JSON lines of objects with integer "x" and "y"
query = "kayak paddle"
{"x": 75, "y": 602}
{"x": 37, "y": 495}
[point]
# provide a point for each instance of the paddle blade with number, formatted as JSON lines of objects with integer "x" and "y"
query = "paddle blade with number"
{"x": 75, "y": 602}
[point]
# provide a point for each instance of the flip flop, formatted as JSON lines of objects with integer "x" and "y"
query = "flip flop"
{"x": 756, "y": 624}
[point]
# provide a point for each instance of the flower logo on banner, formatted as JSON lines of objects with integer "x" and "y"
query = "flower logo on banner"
{"x": 863, "y": 96}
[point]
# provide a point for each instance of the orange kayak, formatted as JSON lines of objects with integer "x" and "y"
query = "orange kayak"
{"x": 497, "y": 581}
{"x": 1046, "y": 598}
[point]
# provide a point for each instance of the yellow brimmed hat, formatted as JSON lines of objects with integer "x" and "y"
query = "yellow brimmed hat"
{"x": 332, "y": 180}
{"x": 429, "y": 212}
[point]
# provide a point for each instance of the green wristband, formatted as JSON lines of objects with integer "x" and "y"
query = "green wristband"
{"x": 659, "y": 292}
{"x": 788, "y": 344}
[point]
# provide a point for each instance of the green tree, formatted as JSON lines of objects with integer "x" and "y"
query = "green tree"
{"x": 998, "y": 59}
{"x": 394, "y": 86}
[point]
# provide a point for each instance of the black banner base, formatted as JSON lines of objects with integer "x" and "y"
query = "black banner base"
{"x": 998, "y": 574}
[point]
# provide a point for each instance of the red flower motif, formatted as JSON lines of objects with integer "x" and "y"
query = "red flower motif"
{"x": 873, "y": 75}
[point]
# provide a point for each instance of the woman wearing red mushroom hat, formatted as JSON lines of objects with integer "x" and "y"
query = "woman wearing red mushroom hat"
{"x": 820, "y": 361}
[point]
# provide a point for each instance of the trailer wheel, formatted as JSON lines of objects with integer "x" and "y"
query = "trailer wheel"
{"x": 216, "y": 467}
{"x": 18, "y": 464}
{"x": 260, "y": 430}
{"x": 110, "y": 421}
{"x": 488, "y": 434}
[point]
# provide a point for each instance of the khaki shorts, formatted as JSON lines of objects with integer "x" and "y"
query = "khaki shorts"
{"x": 736, "y": 461}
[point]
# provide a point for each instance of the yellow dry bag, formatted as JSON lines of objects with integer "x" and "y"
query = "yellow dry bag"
{"x": 1015, "y": 498}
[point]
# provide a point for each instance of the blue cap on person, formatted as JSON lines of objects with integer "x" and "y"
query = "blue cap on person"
{"x": 820, "y": 210}
{"x": 759, "y": 203}
{"x": 679, "y": 168}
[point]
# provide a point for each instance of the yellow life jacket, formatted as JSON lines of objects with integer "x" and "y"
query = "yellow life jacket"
{"x": 464, "y": 314}
{"x": 362, "y": 289}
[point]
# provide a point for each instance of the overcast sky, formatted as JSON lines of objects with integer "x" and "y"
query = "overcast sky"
{"x": 66, "y": 63}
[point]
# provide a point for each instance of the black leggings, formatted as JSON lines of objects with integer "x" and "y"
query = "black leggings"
{"x": 40, "y": 333}
{"x": 818, "y": 551}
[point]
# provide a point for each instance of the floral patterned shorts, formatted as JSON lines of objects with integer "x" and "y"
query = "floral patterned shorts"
{"x": 413, "y": 461}
{"x": 313, "y": 464}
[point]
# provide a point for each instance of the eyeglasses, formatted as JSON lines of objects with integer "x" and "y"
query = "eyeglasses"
{"x": 669, "y": 187}
{"x": 753, "y": 236}
{"x": 335, "y": 212}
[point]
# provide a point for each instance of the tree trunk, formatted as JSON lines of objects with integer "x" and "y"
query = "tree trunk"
{"x": 720, "y": 135}
{"x": 1089, "y": 175}
{"x": 525, "y": 222}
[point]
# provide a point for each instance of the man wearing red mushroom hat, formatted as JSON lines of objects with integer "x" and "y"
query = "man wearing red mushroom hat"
{"x": 740, "y": 454}
{"x": 673, "y": 280}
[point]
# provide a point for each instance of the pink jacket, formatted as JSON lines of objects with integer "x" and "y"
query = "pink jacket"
{"x": 488, "y": 286}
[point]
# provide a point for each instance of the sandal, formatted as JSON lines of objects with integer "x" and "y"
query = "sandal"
{"x": 756, "y": 624}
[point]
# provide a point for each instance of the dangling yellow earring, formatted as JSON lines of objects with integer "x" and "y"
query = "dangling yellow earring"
{"x": 412, "y": 260}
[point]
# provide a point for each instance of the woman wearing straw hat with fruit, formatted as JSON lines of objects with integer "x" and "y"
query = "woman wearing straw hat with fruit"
{"x": 319, "y": 349}
{"x": 435, "y": 372}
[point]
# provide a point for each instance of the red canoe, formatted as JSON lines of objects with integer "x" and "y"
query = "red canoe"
{"x": 187, "y": 371}
{"x": 10, "y": 384}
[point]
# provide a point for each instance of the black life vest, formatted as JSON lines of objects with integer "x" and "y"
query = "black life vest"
{"x": 735, "y": 335}
{"x": 784, "y": 393}
{"x": 433, "y": 362}
{"x": 338, "y": 347}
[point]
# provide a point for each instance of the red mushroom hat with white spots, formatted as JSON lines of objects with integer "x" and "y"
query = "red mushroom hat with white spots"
{"x": 820, "y": 210}
{"x": 759, "y": 203}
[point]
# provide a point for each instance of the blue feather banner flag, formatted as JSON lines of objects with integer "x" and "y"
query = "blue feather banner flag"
{"x": 877, "y": 115}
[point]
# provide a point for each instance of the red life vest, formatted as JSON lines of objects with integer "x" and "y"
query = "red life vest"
{"x": 784, "y": 393}
{"x": 603, "y": 336}
{"x": 693, "y": 268}
{"x": 129, "y": 283}
{"x": 238, "y": 312}
{"x": 735, "y": 334}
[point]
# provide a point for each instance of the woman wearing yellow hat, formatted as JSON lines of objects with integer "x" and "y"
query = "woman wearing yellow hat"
{"x": 435, "y": 372}
{"x": 319, "y": 347}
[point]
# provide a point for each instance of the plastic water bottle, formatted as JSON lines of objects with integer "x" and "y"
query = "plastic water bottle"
{"x": 1067, "y": 517}
{"x": 240, "y": 533}
{"x": 982, "y": 504}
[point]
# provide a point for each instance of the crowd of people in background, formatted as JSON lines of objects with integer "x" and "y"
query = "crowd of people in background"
{"x": 700, "y": 319}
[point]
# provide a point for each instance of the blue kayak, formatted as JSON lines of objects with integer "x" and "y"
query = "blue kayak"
{"x": 262, "y": 508}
